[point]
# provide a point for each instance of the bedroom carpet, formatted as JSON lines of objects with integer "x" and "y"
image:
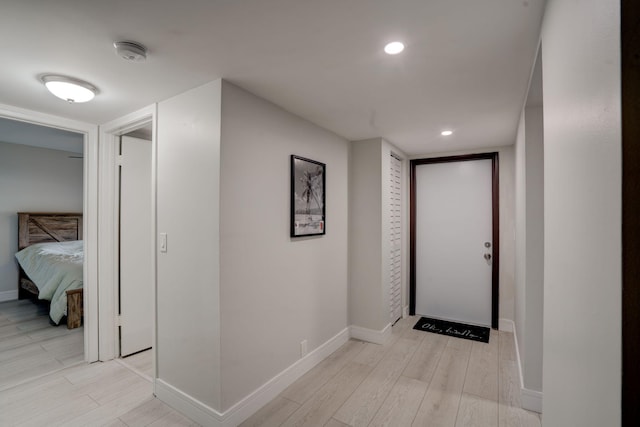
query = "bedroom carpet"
{"x": 30, "y": 347}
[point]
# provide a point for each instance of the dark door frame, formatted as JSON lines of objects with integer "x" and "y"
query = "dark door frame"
{"x": 495, "y": 204}
{"x": 630, "y": 79}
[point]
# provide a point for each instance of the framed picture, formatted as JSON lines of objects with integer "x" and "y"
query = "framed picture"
{"x": 307, "y": 197}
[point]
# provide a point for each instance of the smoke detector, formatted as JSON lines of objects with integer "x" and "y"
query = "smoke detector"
{"x": 131, "y": 51}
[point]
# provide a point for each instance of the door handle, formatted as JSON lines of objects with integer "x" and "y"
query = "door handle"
{"x": 487, "y": 256}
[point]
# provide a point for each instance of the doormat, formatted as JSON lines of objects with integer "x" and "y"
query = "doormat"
{"x": 453, "y": 329}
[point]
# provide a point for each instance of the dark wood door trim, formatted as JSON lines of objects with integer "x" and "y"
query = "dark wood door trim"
{"x": 630, "y": 78}
{"x": 495, "y": 202}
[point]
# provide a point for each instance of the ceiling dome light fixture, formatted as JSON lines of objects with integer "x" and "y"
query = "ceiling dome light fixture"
{"x": 69, "y": 89}
{"x": 394, "y": 48}
{"x": 446, "y": 132}
{"x": 131, "y": 51}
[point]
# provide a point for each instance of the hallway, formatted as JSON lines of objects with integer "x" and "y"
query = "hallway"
{"x": 416, "y": 379}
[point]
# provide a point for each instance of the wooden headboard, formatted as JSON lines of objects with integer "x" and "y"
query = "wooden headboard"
{"x": 39, "y": 227}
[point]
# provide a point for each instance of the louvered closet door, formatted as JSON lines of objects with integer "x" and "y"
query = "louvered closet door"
{"x": 395, "y": 257}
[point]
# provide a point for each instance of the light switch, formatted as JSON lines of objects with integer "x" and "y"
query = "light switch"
{"x": 163, "y": 242}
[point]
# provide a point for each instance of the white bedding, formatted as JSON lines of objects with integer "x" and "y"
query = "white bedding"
{"x": 54, "y": 268}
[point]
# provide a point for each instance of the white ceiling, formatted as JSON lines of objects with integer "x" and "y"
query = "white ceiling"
{"x": 466, "y": 64}
{"x": 17, "y": 132}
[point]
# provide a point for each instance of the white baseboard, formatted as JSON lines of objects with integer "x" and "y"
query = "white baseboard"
{"x": 187, "y": 405}
{"x": 518, "y": 359}
{"x": 405, "y": 311}
{"x": 207, "y": 416}
{"x": 506, "y": 325}
{"x": 370, "y": 335}
{"x": 531, "y": 400}
{"x": 8, "y": 295}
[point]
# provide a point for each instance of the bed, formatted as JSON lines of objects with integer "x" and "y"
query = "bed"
{"x": 50, "y": 258}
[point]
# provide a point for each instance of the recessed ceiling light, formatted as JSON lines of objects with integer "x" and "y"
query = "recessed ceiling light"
{"x": 394, "y": 48}
{"x": 446, "y": 132}
{"x": 69, "y": 89}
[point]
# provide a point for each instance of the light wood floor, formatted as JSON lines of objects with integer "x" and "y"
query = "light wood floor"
{"x": 30, "y": 346}
{"x": 417, "y": 379}
{"x": 97, "y": 394}
{"x": 140, "y": 363}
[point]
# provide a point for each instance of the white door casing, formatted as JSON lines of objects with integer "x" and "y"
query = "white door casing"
{"x": 136, "y": 246}
{"x": 108, "y": 246}
{"x": 453, "y": 223}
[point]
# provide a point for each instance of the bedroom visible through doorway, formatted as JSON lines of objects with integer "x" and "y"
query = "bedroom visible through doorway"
{"x": 41, "y": 170}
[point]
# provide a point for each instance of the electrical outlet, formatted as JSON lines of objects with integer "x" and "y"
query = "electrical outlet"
{"x": 303, "y": 348}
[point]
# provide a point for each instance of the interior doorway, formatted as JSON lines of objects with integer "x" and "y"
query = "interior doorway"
{"x": 140, "y": 126}
{"x": 75, "y": 162}
{"x": 454, "y": 260}
{"x": 135, "y": 244}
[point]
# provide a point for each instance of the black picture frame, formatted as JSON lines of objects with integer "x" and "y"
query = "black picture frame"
{"x": 308, "y": 208}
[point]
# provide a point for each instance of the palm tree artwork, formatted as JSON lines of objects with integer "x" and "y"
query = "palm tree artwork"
{"x": 312, "y": 184}
{"x": 308, "y": 180}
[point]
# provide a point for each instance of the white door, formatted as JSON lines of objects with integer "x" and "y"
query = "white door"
{"x": 453, "y": 240}
{"x": 136, "y": 246}
{"x": 395, "y": 232}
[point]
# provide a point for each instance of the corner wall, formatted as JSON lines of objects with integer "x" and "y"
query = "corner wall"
{"x": 582, "y": 213}
{"x": 369, "y": 238}
{"x": 521, "y": 236}
{"x": 532, "y": 370}
{"x": 276, "y": 291}
{"x": 32, "y": 179}
{"x": 365, "y": 236}
{"x": 188, "y": 281}
{"x": 529, "y": 283}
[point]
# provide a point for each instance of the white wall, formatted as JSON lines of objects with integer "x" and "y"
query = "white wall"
{"x": 507, "y": 222}
{"x": 521, "y": 235}
{"x": 188, "y": 210}
{"x": 32, "y": 179}
{"x": 369, "y": 234}
{"x": 529, "y": 284}
{"x": 507, "y": 232}
{"x": 582, "y": 214}
{"x": 532, "y": 369}
{"x": 275, "y": 290}
{"x": 365, "y": 236}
